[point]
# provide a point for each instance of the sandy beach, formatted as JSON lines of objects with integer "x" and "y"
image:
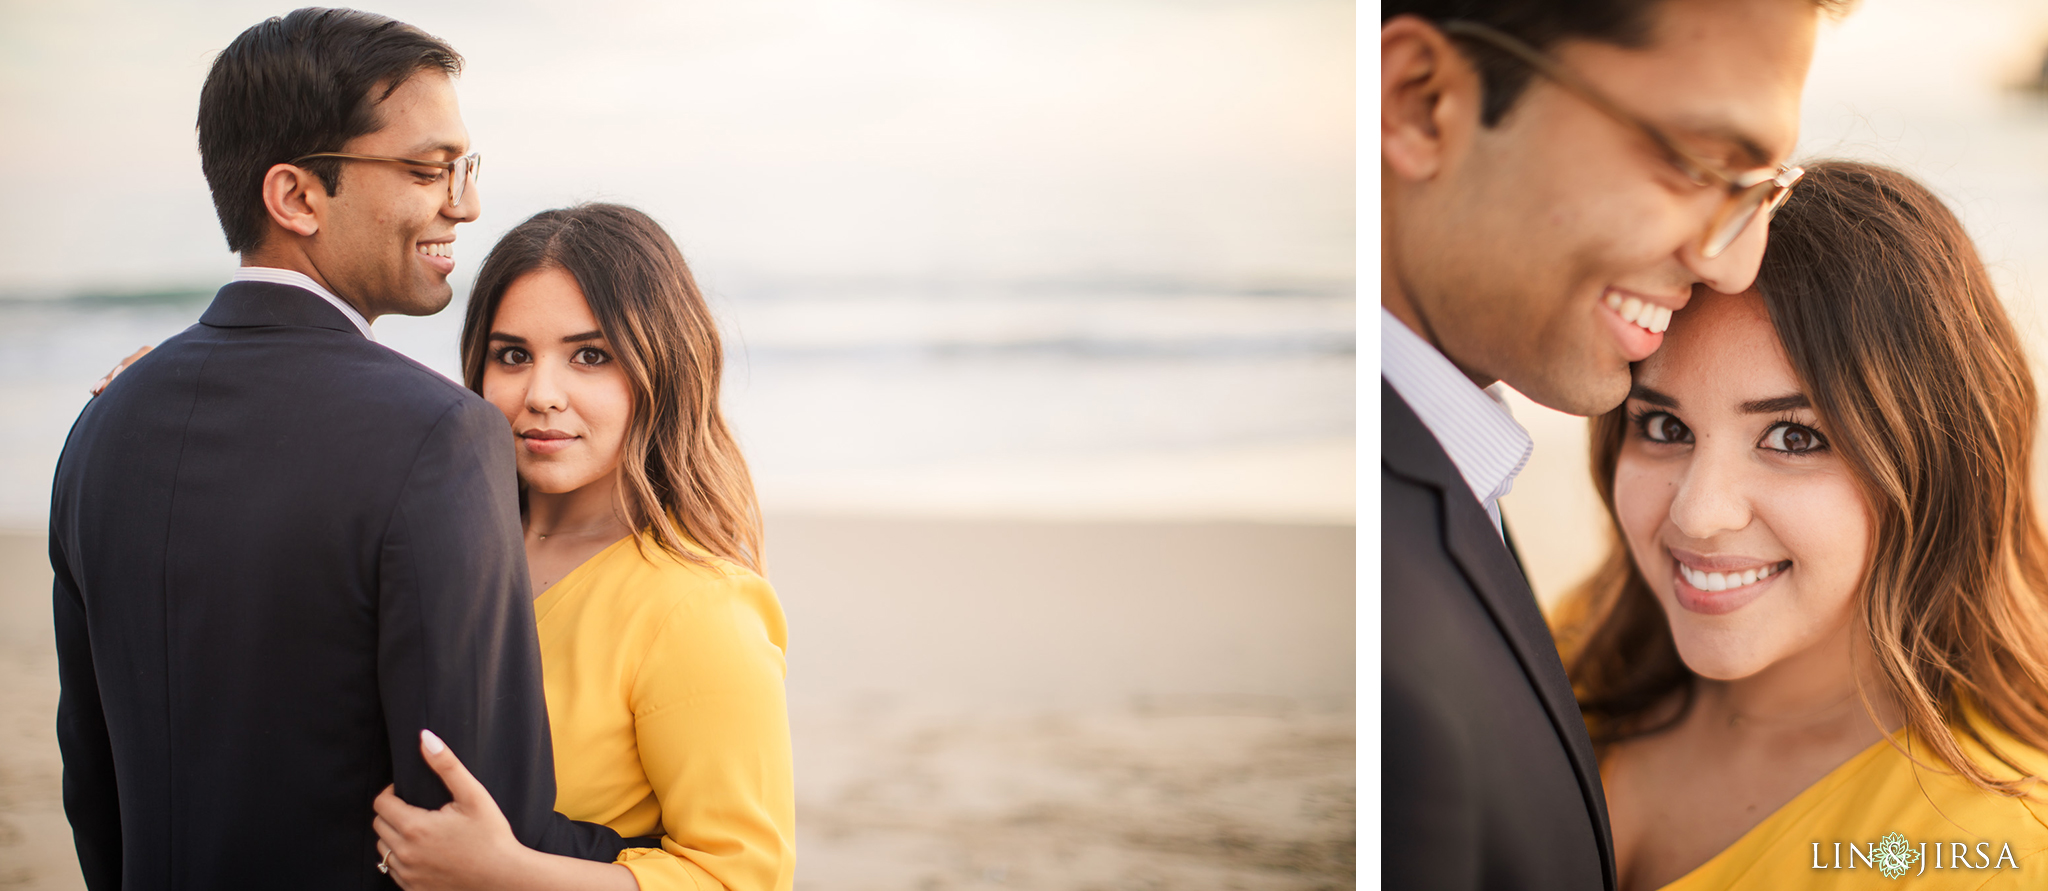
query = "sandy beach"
{"x": 977, "y": 704}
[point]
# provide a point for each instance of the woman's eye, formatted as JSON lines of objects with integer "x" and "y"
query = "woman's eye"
{"x": 1662, "y": 427}
{"x": 511, "y": 356}
{"x": 1794, "y": 438}
{"x": 591, "y": 356}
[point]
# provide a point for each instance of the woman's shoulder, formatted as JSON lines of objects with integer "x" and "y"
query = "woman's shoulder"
{"x": 657, "y": 584}
{"x": 1894, "y": 807}
{"x": 1906, "y": 796}
{"x": 644, "y": 562}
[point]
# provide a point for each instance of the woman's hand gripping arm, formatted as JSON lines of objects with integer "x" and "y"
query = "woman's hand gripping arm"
{"x": 466, "y": 845}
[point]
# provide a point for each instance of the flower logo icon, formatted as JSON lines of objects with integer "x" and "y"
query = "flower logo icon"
{"x": 1895, "y": 855}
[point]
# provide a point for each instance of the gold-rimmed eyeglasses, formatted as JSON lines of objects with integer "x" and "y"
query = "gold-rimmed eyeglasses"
{"x": 460, "y": 171}
{"x": 1751, "y": 193}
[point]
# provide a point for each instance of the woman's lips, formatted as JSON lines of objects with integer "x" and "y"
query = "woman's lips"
{"x": 1737, "y": 595}
{"x": 546, "y": 442}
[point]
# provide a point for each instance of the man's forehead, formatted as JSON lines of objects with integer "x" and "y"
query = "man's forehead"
{"x": 420, "y": 118}
{"x": 1726, "y": 72}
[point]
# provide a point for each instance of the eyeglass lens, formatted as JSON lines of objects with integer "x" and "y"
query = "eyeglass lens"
{"x": 466, "y": 168}
{"x": 1740, "y": 212}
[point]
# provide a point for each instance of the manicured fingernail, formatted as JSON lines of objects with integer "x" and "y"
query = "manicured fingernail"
{"x": 433, "y": 743}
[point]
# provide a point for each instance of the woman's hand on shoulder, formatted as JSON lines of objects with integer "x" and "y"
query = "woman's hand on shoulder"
{"x": 100, "y": 385}
{"x": 465, "y": 844}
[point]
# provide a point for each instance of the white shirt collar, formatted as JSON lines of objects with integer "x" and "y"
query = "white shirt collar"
{"x": 1473, "y": 425}
{"x": 299, "y": 279}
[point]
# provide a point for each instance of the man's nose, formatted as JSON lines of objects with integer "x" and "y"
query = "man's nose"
{"x": 1734, "y": 269}
{"x": 1713, "y": 497}
{"x": 469, "y": 208}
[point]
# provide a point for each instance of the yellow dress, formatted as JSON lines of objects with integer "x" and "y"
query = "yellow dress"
{"x": 665, "y": 697}
{"x": 1939, "y": 830}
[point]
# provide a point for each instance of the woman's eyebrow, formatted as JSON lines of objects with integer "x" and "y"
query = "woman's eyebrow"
{"x": 1776, "y": 404}
{"x": 508, "y": 338}
{"x": 1652, "y": 397}
{"x": 587, "y": 335}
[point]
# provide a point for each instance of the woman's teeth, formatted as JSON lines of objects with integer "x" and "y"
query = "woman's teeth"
{"x": 1647, "y": 316}
{"x": 437, "y": 249}
{"x": 1722, "y": 581}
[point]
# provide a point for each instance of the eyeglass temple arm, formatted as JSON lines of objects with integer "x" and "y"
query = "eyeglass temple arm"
{"x": 1565, "y": 78}
{"x": 444, "y": 165}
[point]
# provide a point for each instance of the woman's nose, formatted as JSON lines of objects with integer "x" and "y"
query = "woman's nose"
{"x": 544, "y": 392}
{"x": 1713, "y": 496}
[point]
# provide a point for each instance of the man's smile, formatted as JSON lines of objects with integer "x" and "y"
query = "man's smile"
{"x": 438, "y": 255}
{"x": 1637, "y": 322}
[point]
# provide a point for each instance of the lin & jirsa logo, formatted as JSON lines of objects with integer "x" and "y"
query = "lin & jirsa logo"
{"x": 1892, "y": 856}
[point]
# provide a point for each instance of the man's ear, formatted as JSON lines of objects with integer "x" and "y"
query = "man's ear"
{"x": 295, "y": 198}
{"x": 1429, "y": 97}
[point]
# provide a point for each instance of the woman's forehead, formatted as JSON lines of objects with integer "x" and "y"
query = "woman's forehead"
{"x": 548, "y": 297}
{"x": 1721, "y": 347}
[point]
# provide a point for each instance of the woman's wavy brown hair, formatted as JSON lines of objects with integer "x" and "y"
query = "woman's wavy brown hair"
{"x": 1891, "y": 324}
{"x": 682, "y": 475}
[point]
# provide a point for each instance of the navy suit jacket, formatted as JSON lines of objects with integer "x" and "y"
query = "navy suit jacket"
{"x": 281, "y": 550}
{"x": 1489, "y": 778}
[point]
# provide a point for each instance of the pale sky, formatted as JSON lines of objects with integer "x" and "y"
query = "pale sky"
{"x": 900, "y": 139}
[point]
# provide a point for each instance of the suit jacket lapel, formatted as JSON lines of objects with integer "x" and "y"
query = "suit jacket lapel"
{"x": 1507, "y": 537}
{"x": 1411, "y": 452}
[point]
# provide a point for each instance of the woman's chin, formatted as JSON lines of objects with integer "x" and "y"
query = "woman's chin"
{"x": 548, "y": 485}
{"x": 557, "y": 479}
{"x": 1716, "y": 661}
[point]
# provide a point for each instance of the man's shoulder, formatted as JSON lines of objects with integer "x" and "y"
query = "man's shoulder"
{"x": 415, "y": 378}
{"x": 318, "y": 377}
{"x": 345, "y": 364}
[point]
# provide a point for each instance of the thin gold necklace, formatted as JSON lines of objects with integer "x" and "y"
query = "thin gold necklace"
{"x": 544, "y": 536}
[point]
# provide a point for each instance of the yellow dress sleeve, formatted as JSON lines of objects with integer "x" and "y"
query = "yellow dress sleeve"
{"x": 712, "y": 725}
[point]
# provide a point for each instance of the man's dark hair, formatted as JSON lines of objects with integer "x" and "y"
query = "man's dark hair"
{"x": 1541, "y": 24}
{"x": 292, "y": 86}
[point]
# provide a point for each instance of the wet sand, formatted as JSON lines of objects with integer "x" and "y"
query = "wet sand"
{"x": 977, "y": 704}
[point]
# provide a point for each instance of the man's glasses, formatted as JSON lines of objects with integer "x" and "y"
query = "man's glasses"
{"x": 1751, "y": 194}
{"x": 460, "y": 171}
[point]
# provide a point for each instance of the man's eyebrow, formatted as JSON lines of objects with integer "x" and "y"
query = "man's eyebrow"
{"x": 1749, "y": 152}
{"x": 1776, "y": 404}
{"x": 430, "y": 147}
{"x": 587, "y": 335}
{"x": 1652, "y": 397}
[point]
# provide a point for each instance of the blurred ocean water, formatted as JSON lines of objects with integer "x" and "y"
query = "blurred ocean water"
{"x": 1054, "y": 399}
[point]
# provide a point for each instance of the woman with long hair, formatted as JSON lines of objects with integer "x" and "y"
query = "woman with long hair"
{"x": 661, "y": 644}
{"x": 1819, "y": 643}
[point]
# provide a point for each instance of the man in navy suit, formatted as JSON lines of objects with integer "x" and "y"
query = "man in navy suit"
{"x": 282, "y": 550}
{"x": 1556, "y": 176}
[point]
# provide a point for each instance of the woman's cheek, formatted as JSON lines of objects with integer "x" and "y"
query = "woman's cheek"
{"x": 1642, "y": 500}
{"x": 618, "y": 418}
{"x": 1824, "y": 526}
{"x": 503, "y": 396}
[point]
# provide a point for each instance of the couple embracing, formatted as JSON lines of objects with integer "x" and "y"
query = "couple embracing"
{"x": 326, "y": 619}
{"x": 1816, "y": 654}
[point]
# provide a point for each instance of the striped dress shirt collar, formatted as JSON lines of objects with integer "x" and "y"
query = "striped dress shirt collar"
{"x": 1473, "y": 425}
{"x": 299, "y": 279}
